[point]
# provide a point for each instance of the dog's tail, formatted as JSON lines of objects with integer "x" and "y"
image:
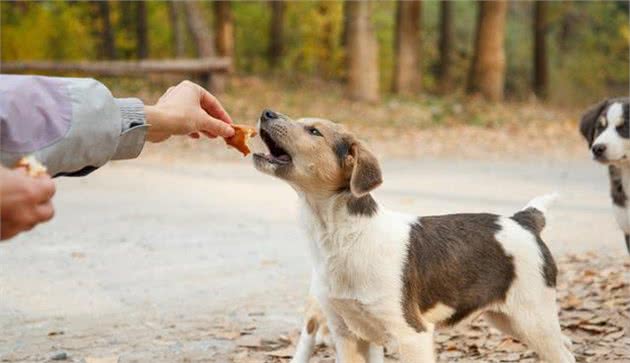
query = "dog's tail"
{"x": 533, "y": 215}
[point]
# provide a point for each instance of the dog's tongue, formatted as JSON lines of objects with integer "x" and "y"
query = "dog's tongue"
{"x": 284, "y": 158}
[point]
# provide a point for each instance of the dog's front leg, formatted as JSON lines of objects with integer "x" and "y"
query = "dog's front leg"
{"x": 306, "y": 344}
{"x": 417, "y": 347}
{"x": 349, "y": 347}
{"x": 377, "y": 353}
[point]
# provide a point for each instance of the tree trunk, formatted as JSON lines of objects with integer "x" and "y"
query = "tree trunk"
{"x": 446, "y": 45}
{"x": 198, "y": 27}
{"x": 108, "y": 45}
{"x": 407, "y": 73}
{"x": 142, "y": 42}
{"x": 487, "y": 73}
{"x": 346, "y": 24}
{"x": 276, "y": 33}
{"x": 568, "y": 25}
{"x": 178, "y": 41}
{"x": 540, "y": 48}
{"x": 362, "y": 48}
{"x": 224, "y": 28}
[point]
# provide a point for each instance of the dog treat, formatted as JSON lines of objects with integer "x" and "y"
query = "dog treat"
{"x": 33, "y": 166}
{"x": 241, "y": 136}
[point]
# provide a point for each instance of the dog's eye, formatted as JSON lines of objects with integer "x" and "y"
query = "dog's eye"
{"x": 315, "y": 132}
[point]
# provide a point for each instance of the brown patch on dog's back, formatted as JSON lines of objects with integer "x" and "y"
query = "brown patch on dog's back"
{"x": 454, "y": 260}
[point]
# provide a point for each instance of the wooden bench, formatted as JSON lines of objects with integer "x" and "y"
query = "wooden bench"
{"x": 212, "y": 72}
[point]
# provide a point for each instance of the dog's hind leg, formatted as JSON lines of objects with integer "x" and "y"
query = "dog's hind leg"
{"x": 540, "y": 330}
{"x": 417, "y": 347}
{"x": 501, "y": 322}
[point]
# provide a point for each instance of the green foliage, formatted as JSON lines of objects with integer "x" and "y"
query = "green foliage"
{"x": 313, "y": 38}
{"x": 464, "y": 18}
{"x": 384, "y": 18}
{"x": 159, "y": 31}
{"x": 251, "y": 35}
{"x": 591, "y": 53}
{"x": 588, "y": 41}
{"x": 50, "y": 30}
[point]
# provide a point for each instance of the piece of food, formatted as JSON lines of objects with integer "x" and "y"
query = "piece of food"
{"x": 33, "y": 166}
{"x": 241, "y": 136}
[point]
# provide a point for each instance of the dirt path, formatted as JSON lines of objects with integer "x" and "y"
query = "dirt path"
{"x": 155, "y": 262}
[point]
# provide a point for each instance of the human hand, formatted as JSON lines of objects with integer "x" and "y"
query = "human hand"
{"x": 25, "y": 201}
{"x": 187, "y": 109}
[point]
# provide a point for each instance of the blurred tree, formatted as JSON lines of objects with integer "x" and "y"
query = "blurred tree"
{"x": 178, "y": 40}
{"x": 587, "y": 41}
{"x": 142, "y": 41}
{"x": 407, "y": 77}
{"x": 540, "y": 27}
{"x": 567, "y": 26}
{"x": 446, "y": 45}
{"x": 125, "y": 13}
{"x": 199, "y": 29}
{"x": 276, "y": 32}
{"x": 487, "y": 72}
{"x": 312, "y": 47}
{"x": 224, "y": 28}
{"x": 346, "y": 24}
{"x": 362, "y": 52}
{"x": 108, "y": 46}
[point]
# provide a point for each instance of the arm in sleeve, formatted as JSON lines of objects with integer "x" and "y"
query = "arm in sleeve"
{"x": 71, "y": 125}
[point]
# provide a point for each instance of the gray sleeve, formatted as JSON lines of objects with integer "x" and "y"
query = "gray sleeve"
{"x": 71, "y": 125}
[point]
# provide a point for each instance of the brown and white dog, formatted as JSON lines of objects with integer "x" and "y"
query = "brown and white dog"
{"x": 380, "y": 275}
{"x": 605, "y": 128}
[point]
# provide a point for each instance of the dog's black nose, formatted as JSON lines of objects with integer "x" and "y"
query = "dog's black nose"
{"x": 599, "y": 150}
{"x": 268, "y": 115}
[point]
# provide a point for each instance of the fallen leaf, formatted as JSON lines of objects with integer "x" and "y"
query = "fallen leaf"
{"x": 282, "y": 353}
{"x": 112, "y": 359}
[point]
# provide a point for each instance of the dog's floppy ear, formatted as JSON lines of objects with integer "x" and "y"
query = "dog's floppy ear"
{"x": 366, "y": 172}
{"x": 589, "y": 120}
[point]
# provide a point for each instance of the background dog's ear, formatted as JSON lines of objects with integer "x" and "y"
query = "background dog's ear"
{"x": 589, "y": 120}
{"x": 366, "y": 172}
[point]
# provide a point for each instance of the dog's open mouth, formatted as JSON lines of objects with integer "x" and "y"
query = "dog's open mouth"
{"x": 277, "y": 155}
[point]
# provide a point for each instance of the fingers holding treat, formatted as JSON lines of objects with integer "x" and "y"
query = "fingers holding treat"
{"x": 241, "y": 137}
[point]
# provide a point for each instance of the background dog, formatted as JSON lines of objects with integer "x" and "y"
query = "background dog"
{"x": 380, "y": 275}
{"x": 605, "y": 128}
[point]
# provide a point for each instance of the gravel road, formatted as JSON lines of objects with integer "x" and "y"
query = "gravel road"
{"x": 152, "y": 262}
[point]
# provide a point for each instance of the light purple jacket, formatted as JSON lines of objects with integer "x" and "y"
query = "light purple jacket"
{"x": 71, "y": 125}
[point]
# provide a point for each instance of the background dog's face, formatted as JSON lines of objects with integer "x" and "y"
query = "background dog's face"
{"x": 605, "y": 127}
{"x": 316, "y": 156}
